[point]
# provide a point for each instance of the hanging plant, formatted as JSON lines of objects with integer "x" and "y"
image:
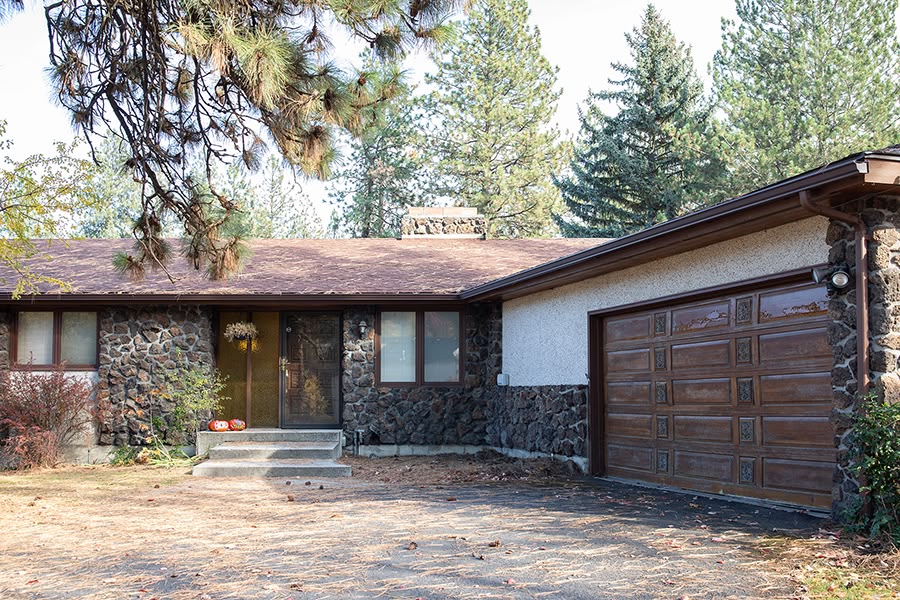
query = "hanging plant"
{"x": 240, "y": 331}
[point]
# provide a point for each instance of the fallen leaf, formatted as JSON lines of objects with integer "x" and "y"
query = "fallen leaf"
{"x": 412, "y": 546}
{"x": 451, "y": 499}
{"x": 290, "y": 498}
{"x": 510, "y": 581}
{"x": 31, "y": 581}
{"x": 494, "y": 544}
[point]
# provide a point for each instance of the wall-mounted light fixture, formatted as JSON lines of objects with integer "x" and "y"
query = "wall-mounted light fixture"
{"x": 363, "y": 328}
{"x": 836, "y": 279}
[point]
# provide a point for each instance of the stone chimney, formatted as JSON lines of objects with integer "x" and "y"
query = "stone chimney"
{"x": 443, "y": 222}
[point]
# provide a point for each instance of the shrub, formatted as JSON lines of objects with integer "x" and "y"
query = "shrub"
{"x": 42, "y": 412}
{"x": 875, "y": 448}
{"x": 196, "y": 393}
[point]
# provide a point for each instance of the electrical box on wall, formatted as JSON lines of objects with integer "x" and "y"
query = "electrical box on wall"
{"x": 502, "y": 379}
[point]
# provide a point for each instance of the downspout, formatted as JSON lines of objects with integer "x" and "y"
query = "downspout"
{"x": 862, "y": 309}
{"x": 862, "y": 285}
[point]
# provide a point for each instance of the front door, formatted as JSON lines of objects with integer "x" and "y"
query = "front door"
{"x": 311, "y": 369}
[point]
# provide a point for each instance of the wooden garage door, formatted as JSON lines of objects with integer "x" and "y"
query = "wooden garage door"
{"x": 729, "y": 395}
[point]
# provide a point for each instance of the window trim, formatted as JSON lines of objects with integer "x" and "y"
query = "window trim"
{"x": 56, "y": 348}
{"x": 420, "y": 347}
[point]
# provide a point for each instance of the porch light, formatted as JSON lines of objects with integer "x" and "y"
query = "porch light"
{"x": 836, "y": 279}
{"x": 363, "y": 328}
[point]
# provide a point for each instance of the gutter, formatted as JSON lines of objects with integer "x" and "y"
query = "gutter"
{"x": 862, "y": 307}
{"x": 862, "y": 284}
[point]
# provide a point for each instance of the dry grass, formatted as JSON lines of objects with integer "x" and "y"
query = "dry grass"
{"x": 449, "y": 527}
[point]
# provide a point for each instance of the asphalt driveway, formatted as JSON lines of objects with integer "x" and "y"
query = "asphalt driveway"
{"x": 188, "y": 538}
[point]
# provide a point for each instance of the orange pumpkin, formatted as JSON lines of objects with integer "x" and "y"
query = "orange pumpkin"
{"x": 217, "y": 425}
{"x": 236, "y": 425}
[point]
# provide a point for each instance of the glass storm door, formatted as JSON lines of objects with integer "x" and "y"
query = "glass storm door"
{"x": 311, "y": 370}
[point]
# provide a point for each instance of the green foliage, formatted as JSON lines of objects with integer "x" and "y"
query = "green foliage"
{"x": 194, "y": 391}
{"x": 494, "y": 147}
{"x": 210, "y": 80}
{"x": 653, "y": 160}
{"x": 37, "y": 194}
{"x": 275, "y": 206}
{"x": 875, "y": 450}
{"x": 385, "y": 172}
{"x": 805, "y": 82}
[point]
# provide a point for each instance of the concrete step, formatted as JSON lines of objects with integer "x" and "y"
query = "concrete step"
{"x": 211, "y": 439}
{"x": 274, "y": 450}
{"x": 271, "y": 468}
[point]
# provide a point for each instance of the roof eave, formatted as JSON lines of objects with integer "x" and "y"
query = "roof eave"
{"x": 768, "y": 207}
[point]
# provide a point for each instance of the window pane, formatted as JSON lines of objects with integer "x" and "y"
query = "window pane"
{"x": 78, "y": 339}
{"x": 34, "y": 341}
{"x": 442, "y": 347}
{"x": 398, "y": 346}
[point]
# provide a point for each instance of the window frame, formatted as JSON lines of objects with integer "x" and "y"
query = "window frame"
{"x": 56, "y": 344}
{"x": 420, "y": 347}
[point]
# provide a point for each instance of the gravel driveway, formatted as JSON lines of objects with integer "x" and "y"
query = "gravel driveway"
{"x": 194, "y": 538}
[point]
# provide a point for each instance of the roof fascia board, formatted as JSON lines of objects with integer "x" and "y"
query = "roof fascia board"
{"x": 771, "y": 206}
{"x": 282, "y": 302}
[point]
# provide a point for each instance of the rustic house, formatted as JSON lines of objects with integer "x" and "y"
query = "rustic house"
{"x": 701, "y": 353}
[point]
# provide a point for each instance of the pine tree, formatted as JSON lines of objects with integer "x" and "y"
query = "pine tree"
{"x": 384, "y": 172}
{"x": 805, "y": 82}
{"x": 652, "y": 161}
{"x": 494, "y": 146}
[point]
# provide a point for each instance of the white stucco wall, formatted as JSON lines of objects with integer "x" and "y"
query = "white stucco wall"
{"x": 545, "y": 338}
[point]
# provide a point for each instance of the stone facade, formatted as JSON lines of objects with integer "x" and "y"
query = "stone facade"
{"x": 449, "y": 415}
{"x": 455, "y": 222}
{"x": 4, "y": 341}
{"x": 549, "y": 419}
{"x": 882, "y": 218}
{"x": 138, "y": 347}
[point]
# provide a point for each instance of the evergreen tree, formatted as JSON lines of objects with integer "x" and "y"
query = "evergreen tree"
{"x": 384, "y": 173}
{"x": 805, "y": 82}
{"x": 116, "y": 198}
{"x": 652, "y": 161}
{"x": 273, "y": 207}
{"x": 494, "y": 146}
{"x": 181, "y": 79}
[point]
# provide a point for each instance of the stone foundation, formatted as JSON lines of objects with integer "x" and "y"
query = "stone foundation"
{"x": 448, "y": 415}
{"x": 882, "y": 218}
{"x": 138, "y": 348}
{"x": 4, "y": 341}
{"x": 547, "y": 419}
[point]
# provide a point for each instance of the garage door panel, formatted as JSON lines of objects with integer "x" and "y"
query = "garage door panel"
{"x": 628, "y": 393}
{"x": 628, "y": 328}
{"x": 798, "y": 431}
{"x": 794, "y": 388}
{"x": 702, "y": 465}
{"x": 630, "y": 457}
{"x": 797, "y": 475}
{"x": 628, "y": 360}
{"x": 629, "y": 425}
{"x": 731, "y": 394}
{"x": 701, "y": 391}
{"x": 792, "y": 304}
{"x": 693, "y": 428}
{"x": 804, "y": 344}
{"x": 701, "y": 355}
{"x": 701, "y": 318}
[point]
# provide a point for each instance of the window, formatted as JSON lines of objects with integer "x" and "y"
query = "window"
{"x": 419, "y": 347}
{"x": 52, "y": 338}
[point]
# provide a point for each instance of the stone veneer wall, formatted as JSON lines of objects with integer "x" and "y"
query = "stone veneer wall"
{"x": 138, "y": 346}
{"x": 882, "y": 218}
{"x": 420, "y": 415}
{"x": 4, "y": 341}
{"x": 549, "y": 419}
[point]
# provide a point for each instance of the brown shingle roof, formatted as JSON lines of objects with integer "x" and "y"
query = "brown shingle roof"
{"x": 383, "y": 267}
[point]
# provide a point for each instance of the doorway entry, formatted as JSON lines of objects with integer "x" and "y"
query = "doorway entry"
{"x": 311, "y": 369}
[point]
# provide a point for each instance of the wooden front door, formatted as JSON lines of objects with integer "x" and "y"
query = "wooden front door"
{"x": 311, "y": 370}
{"x": 726, "y": 395}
